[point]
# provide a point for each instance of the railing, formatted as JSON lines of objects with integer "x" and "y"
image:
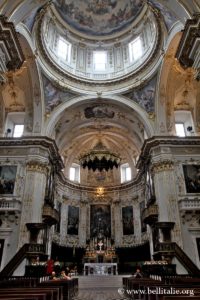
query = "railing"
{"x": 173, "y": 249}
{"x": 10, "y": 204}
{"x": 26, "y": 250}
{"x": 189, "y": 204}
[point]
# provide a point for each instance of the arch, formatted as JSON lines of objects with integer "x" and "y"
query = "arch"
{"x": 35, "y": 79}
{"x": 54, "y": 117}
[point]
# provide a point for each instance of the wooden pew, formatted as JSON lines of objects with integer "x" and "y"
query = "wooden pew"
{"x": 51, "y": 293}
{"x": 38, "y": 296}
{"x": 69, "y": 286}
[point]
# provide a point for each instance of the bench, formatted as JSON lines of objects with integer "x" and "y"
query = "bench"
{"x": 51, "y": 293}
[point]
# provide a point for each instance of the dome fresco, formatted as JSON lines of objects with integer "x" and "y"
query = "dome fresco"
{"x": 99, "y": 17}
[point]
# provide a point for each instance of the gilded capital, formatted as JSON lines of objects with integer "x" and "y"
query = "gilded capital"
{"x": 166, "y": 165}
{"x": 36, "y": 166}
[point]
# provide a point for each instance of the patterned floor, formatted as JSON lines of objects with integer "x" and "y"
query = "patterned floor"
{"x": 100, "y": 288}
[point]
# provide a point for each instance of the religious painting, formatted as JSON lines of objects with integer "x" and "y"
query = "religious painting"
{"x": 7, "y": 179}
{"x": 54, "y": 96}
{"x": 97, "y": 17}
{"x": 98, "y": 111}
{"x": 100, "y": 221}
{"x": 192, "y": 178}
{"x": 143, "y": 225}
{"x": 145, "y": 95}
{"x": 127, "y": 220}
{"x": 169, "y": 16}
{"x": 73, "y": 220}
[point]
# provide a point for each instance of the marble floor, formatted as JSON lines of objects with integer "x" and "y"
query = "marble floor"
{"x": 100, "y": 288}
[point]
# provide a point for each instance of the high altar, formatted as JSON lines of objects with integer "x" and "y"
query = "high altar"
{"x": 100, "y": 258}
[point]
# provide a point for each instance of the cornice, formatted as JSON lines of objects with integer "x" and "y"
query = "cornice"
{"x": 10, "y": 42}
{"x": 170, "y": 141}
{"x": 35, "y": 141}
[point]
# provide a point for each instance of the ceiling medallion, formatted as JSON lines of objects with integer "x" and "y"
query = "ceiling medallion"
{"x": 99, "y": 158}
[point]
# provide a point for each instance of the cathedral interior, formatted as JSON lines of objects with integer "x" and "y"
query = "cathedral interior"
{"x": 100, "y": 135}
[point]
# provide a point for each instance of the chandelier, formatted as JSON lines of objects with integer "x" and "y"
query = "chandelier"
{"x": 99, "y": 158}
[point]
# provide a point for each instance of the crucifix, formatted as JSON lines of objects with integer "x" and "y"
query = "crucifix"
{"x": 100, "y": 244}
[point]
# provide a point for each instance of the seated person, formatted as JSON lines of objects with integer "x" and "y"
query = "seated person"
{"x": 53, "y": 276}
{"x": 137, "y": 274}
{"x": 64, "y": 276}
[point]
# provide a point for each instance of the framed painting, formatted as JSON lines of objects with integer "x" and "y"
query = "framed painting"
{"x": 7, "y": 179}
{"x": 192, "y": 178}
{"x": 73, "y": 220}
{"x": 100, "y": 221}
{"x": 143, "y": 225}
{"x": 127, "y": 220}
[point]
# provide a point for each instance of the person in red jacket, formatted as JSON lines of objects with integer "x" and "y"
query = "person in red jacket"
{"x": 50, "y": 266}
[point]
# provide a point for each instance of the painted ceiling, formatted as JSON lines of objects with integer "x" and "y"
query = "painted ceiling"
{"x": 99, "y": 17}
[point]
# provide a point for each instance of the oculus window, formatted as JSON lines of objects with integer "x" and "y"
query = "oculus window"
{"x": 135, "y": 49}
{"x": 100, "y": 60}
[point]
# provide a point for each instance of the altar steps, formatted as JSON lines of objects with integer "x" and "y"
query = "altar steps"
{"x": 93, "y": 282}
{"x": 97, "y": 287}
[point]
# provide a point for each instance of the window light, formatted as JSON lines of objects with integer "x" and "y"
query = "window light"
{"x": 180, "y": 130}
{"x": 100, "y": 59}
{"x": 74, "y": 173}
{"x": 135, "y": 49}
{"x": 18, "y": 130}
{"x": 64, "y": 49}
{"x": 125, "y": 173}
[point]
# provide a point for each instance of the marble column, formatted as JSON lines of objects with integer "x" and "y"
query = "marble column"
{"x": 33, "y": 199}
{"x": 166, "y": 195}
{"x": 83, "y": 224}
{"x": 118, "y": 223}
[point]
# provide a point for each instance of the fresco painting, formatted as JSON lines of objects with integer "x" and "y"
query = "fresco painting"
{"x": 145, "y": 96}
{"x": 99, "y": 17}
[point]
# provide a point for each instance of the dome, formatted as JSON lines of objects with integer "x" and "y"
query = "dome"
{"x": 78, "y": 54}
{"x": 99, "y": 17}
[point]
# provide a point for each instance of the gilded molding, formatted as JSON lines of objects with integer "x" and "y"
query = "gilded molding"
{"x": 161, "y": 166}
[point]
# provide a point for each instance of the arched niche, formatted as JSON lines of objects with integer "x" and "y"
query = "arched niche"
{"x": 178, "y": 91}
{"x": 28, "y": 79}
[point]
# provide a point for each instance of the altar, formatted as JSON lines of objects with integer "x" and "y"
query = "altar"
{"x": 100, "y": 269}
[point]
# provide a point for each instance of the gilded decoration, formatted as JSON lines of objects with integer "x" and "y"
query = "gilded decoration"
{"x": 162, "y": 166}
{"x": 35, "y": 166}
